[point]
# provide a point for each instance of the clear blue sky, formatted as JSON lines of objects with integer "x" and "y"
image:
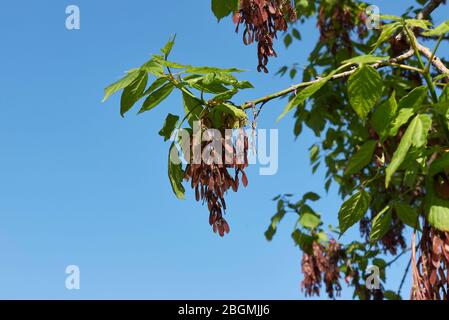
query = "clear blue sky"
{"x": 80, "y": 185}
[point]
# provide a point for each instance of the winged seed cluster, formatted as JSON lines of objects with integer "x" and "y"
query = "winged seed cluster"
{"x": 212, "y": 181}
{"x": 322, "y": 264}
{"x": 430, "y": 273}
{"x": 262, "y": 20}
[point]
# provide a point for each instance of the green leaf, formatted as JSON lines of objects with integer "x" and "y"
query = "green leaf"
{"x": 438, "y": 31}
{"x": 353, "y": 210}
{"x": 296, "y": 34}
{"x": 437, "y": 209}
{"x": 223, "y": 8}
{"x": 314, "y": 153}
{"x": 159, "y": 82}
{"x": 154, "y": 66}
{"x": 192, "y": 107}
{"x": 365, "y": 59}
{"x": 391, "y": 295}
{"x": 304, "y": 241}
{"x": 231, "y": 109}
{"x": 275, "y": 220}
{"x": 176, "y": 174}
{"x": 224, "y": 96}
{"x": 384, "y": 115}
{"x": 364, "y": 89}
{"x": 361, "y": 158}
{"x": 416, "y": 135}
{"x": 288, "y": 40}
{"x": 168, "y": 47}
{"x": 122, "y": 83}
{"x": 387, "y": 31}
{"x": 133, "y": 93}
{"x": 407, "y": 214}
{"x": 418, "y": 23}
{"x": 381, "y": 224}
{"x": 169, "y": 64}
{"x": 309, "y": 220}
{"x": 312, "y": 196}
{"x": 206, "y": 70}
{"x": 304, "y": 95}
{"x": 414, "y": 98}
{"x": 199, "y": 82}
{"x": 169, "y": 126}
{"x": 157, "y": 97}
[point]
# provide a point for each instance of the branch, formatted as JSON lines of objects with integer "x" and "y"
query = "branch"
{"x": 429, "y": 8}
{"x": 398, "y": 257}
{"x": 404, "y": 277}
{"x": 345, "y": 74}
{"x": 435, "y": 61}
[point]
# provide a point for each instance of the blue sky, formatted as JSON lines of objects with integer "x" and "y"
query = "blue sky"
{"x": 80, "y": 185}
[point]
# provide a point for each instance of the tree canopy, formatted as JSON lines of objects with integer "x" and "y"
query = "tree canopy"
{"x": 376, "y": 95}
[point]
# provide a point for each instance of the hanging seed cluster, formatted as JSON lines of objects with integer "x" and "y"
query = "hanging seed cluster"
{"x": 430, "y": 273}
{"x": 262, "y": 20}
{"x": 212, "y": 181}
{"x": 337, "y": 26}
{"x": 322, "y": 265}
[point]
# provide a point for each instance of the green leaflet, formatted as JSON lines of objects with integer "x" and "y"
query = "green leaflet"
{"x": 353, "y": 210}
{"x": 157, "y": 97}
{"x": 438, "y": 31}
{"x": 381, "y": 224}
{"x": 387, "y": 31}
{"x": 407, "y": 214}
{"x": 361, "y": 158}
{"x": 305, "y": 94}
{"x": 364, "y": 89}
{"x": 122, "y": 83}
{"x": 169, "y": 126}
{"x": 175, "y": 172}
{"x": 132, "y": 93}
{"x": 222, "y": 8}
{"x": 415, "y": 135}
{"x": 384, "y": 115}
{"x": 365, "y": 59}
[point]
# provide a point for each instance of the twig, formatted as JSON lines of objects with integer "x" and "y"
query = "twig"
{"x": 429, "y": 8}
{"x": 435, "y": 61}
{"x": 397, "y": 257}
{"x": 345, "y": 74}
{"x": 404, "y": 277}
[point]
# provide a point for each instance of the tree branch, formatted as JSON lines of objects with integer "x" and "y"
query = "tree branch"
{"x": 429, "y": 8}
{"x": 435, "y": 61}
{"x": 345, "y": 74}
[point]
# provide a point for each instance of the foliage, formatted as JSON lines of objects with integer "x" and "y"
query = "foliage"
{"x": 378, "y": 103}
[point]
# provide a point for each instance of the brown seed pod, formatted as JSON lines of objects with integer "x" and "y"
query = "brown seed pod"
{"x": 212, "y": 181}
{"x": 262, "y": 20}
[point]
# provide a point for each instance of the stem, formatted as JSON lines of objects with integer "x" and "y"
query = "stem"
{"x": 292, "y": 89}
{"x": 427, "y": 69}
{"x": 426, "y": 74}
{"x": 404, "y": 277}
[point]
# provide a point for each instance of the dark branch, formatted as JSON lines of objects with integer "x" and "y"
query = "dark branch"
{"x": 429, "y": 8}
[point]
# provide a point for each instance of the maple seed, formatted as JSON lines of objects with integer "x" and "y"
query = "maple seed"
{"x": 262, "y": 20}
{"x": 212, "y": 181}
